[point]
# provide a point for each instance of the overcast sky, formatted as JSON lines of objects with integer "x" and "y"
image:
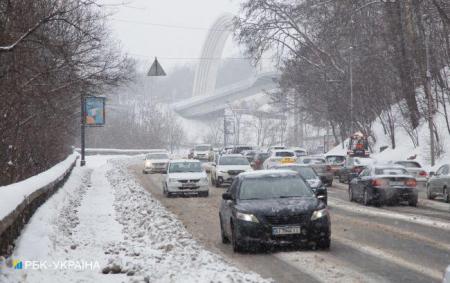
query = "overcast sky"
{"x": 148, "y": 28}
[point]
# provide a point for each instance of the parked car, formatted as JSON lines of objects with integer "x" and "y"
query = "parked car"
{"x": 310, "y": 176}
{"x": 279, "y": 156}
{"x": 185, "y": 177}
{"x": 155, "y": 162}
{"x": 258, "y": 160}
{"x": 203, "y": 152}
{"x": 299, "y": 151}
{"x": 320, "y": 165}
{"x": 416, "y": 170}
{"x": 272, "y": 207}
{"x": 439, "y": 183}
{"x": 352, "y": 167}
{"x": 336, "y": 162}
{"x": 228, "y": 166}
{"x": 379, "y": 185}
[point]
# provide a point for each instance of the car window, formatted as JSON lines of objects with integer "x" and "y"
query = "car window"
{"x": 365, "y": 172}
{"x": 440, "y": 171}
{"x": 273, "y": 187}
{"x": 305, "y": 171}
{"x": 202, "y": 148}
{"x": 284, "y": 154}
{"x": 335, "y": 159}
{"x": 446, "y": 170}
{"x": 409, "y": 164}
{"x": 183, "y": 167}
{"x": 233, "y": 188}
{"x": 233, "y": 160}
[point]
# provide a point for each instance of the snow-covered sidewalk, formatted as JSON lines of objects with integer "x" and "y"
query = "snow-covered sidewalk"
{"x": 102, "y": 226}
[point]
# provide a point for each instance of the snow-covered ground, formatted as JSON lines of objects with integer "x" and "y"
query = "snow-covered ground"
{"x": 102, "y": 226}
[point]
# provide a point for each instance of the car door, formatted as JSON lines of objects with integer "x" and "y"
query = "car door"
{"x": 436, "y": 181}
{"x": 228, "y": 206}
{"x": 364, "y": 181}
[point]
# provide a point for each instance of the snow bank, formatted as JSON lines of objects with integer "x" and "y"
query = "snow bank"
{"x": 13, "y": 195}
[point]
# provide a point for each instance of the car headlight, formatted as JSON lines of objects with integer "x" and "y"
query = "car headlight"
{"x": 148, "y": 163}
{"x": 246, "y": 217}
{"x": 172, "y": 180}
{"x": 319, "y": 214}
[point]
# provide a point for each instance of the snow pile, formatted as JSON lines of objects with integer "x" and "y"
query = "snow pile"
{"x": 156, "y": 244}
{"x": 13, "y": 195}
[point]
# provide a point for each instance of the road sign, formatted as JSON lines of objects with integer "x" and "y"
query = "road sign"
{"x": 156, "y": 69}
{"x": 94, "y": 109}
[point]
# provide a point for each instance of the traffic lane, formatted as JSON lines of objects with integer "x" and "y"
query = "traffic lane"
{"x": 346, "y": 260}
{"x": 425, "y": 207}
{"x": 200, "y": 216}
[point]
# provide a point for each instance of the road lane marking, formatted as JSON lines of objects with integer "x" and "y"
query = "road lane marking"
{"x": 386, "y": 256}
{"x": 373, "y": 211}
{"x": 325, "y": 267}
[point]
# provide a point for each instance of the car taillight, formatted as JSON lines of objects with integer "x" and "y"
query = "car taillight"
{"x": 379, "y": 182}
{"x": 411, "y": 182}
{"x": 423, "y": 174}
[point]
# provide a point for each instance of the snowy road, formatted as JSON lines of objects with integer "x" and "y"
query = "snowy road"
{"x": 388, "y": 244}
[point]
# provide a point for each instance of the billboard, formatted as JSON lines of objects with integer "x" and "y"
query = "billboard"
{"x": 94, "y": 110}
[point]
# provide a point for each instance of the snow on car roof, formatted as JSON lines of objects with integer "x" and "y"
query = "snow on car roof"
{"x": 270, "y": 172}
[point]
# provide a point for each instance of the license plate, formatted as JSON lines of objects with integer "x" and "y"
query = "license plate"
{"x": 287, "y": 160}
{"x": 288, "y": 230}
{"x": 190, "y": 185}
{"x": 396, "y": 183}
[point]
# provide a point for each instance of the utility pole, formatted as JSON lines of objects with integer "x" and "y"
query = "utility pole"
{"x": 428, "y": 90}
{"x": 83, "y": 127}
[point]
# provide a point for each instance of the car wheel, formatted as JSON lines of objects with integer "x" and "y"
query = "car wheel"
{"x": 237, "y": 247}
{"x": 204, "y": 194}
{"x": 217, "y": 183}
{"x": 446, "y": 195}
{"x": 324, "y": 243}
{"x": 350, "y": 194}
{"x": 413, "y": 202}
{"x": 429, "y": 195}
{"x": 366, "y": 198}
{"x": 224, "y": 237}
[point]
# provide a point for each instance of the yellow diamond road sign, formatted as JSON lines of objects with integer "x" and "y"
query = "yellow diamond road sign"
{"x": 156, "y": 70}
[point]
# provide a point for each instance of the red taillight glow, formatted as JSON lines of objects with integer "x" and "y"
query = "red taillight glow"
{"x": 423, "y": 174}
{"x": 411, "y": 182}
{"x": 379, "y": 182}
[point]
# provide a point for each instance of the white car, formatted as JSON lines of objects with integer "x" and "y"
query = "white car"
{"x": 415, "y": 169}
{"x": 278, "y": 157}
{"x": 228, "y": 166}
{"x": 203, "y": 152}
{"x": 299, "y": 151}
{"x": 185, "y": 177}
{"x": 156, "y": 162}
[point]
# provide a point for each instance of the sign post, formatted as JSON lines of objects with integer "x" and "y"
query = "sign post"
{"x": 92, "y": 115}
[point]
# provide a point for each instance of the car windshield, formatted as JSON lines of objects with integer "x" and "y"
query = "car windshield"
{"x": 202, "y": 148}
{"x": 408, "y": 164}
{"x": 390, "y": 171}
{"x": 182, "y": 167}
{"x": 273, "y": 187}
{"x": 157, "y": 156}
{"x": 300, "y": 153}
{"x": 233, "y": 160}
{"x": 284, "y": 154}
{"x": 314, "y": 161}
{"x": 335, "y": 159}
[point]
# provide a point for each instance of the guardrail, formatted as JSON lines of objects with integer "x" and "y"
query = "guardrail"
{"x": 19, "y": 201}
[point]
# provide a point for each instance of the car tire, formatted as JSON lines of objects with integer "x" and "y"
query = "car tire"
{"x": 446, "y": 195}
{"x": 429, "y": 195}
{"x": 351, "y": 198}
{"x": 413, "y": 202}
{"x": 237, "y": 246}
{"x": 204, "y": 194}
{"x": 366, "y": 198}
{"x": 224, "y": 237}
{"x": 324, "y": 244}
{"x": 217, "y": 183}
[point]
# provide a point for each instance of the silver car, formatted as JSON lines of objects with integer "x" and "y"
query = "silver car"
{"x": 415, "y": 169}
{"x": 439, "y": 183}
{"x": 320, "y": 165}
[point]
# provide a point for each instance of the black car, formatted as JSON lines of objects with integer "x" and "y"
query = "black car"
{"x": 310, "y": 176}
{"x": 353, "y": 166}
{"x": 272, "y": 207}
{"x": 379, "y": 185}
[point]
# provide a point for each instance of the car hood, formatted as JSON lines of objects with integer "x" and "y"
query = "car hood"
{"x": 234, "y": 167}
{"x": 284, "y": 206}
{"x": 187, "y": 175}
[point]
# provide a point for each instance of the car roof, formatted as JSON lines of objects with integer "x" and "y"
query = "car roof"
{"x": 184, "y": 160}
{"x": 266, "y": 173}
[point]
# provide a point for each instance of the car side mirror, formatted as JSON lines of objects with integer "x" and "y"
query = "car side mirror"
{"x": 432, "y": 173}
{"x": 227, "y": 196}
